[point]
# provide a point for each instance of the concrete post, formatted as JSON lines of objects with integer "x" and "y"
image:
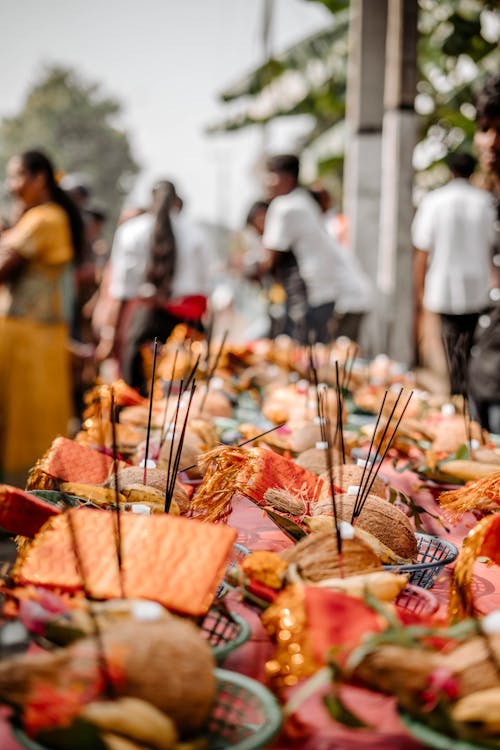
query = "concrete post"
{"x": 396, "y": 206}
{"x": 364, "y": 121}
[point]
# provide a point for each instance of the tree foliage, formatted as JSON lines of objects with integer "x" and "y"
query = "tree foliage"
{"x": 455, "y": 53}
{"x": 77, "y": 126}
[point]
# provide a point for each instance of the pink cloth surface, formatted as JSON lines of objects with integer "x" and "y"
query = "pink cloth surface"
{"x": 320, "y": 732}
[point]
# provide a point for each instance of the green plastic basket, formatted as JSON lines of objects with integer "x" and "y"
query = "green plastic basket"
{"x": 225, "y": 631}
{"x": 431, "y": 738}
{"x": 245, "y": 716}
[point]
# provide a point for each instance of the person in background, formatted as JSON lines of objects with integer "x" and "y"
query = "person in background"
{"x": 294, "y": 222}
{"x": 484, "y": 365}
{"x": 35, "y": 384}
{"x": 355, "y": 293}
{"x": 286, "y": 289}
{"x": 159, "y": 277}
{"x": 452, "y": 233}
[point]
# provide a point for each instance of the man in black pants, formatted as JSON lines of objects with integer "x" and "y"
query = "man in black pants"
{"x": 452, "y": 233}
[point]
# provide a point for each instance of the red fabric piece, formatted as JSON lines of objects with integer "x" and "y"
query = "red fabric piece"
{"x": 72, "y": 462}
{"x": 191, "y": 307}
{"x": 22, "y": 513}
{"x": 336, "y": 619}
{"x": 490, "y": 546}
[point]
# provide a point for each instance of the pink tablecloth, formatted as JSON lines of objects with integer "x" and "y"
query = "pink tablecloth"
{"x": 256, "y": 531}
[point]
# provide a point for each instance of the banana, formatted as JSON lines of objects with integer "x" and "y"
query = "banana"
{"x": 467, "y": 470}
{"x": 115, "y": 742}
{"x": 95, "y": 493}
{"x": 382, "y": 584}
{"x": 480, "y": 707}
{"x": 134, "y": 720}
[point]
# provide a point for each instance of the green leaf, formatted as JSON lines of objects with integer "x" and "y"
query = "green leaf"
{"x": 81, "y": 735}
{"x": 339, "y": 711}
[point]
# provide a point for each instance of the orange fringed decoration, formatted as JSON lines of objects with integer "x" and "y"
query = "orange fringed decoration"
{"x": 251, "y": 472}
{"x": 482, "y": 495}
{"x": 483, "y": 539}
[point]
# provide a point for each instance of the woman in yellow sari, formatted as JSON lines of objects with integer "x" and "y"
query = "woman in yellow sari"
{"x": 35, "y": 387}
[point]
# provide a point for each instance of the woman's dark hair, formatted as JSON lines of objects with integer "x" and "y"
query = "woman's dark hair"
{"x": 36, "y": 162}
{"x": 163, "y": 250}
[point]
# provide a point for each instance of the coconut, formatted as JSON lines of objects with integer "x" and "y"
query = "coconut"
{"x": 349, "y": 475}
{"x": 167, "y": 663}
{"x": 191, "y": 450}
{"x": 382, "y": 519}
{"x": 314, "y": 460}
{"x": 316, "y": 557}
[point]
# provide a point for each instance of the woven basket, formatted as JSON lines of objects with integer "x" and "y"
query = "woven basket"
{"x": 433, "y": 554}
{"x": 225, "y": 632}
{"x": 245, "y": 716}
{"x": 417, "y": 600}
{"x": 238, "y": 554}
{"x": 433, "y": 739}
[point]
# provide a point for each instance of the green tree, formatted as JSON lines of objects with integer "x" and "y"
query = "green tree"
{"x": 456, "y": 51}
{"x": 77, "y": 126}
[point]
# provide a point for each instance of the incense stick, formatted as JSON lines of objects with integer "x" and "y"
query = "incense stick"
{"x": 172, "y": 441}
{"x": 119, "y": 546}
{"x": 372, "y": 477}
{"x": 148, "y": 434}
{"x": 368, "y": 458}
{"x": 167, "y": 397}
{"x": 340, "y": 426}
{"x": 172, "y": 478}
{"x": 328, "y": 450}
{"x": 360, "y": 499}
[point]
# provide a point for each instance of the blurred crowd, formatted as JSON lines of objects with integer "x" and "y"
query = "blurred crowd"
{"x": 74, "y": 298}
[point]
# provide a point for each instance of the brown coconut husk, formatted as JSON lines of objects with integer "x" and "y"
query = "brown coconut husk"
{"x": 349, "y": 475}
{"x": 386, "y": 522}
{"x": 316, "y": 557}
{"x": 166, "y": 663}
{"x": 314, "y": 460}
{"x": 473, "y": 662}
{"x": 191, "y": 450}
{"x": 399, "y": 671}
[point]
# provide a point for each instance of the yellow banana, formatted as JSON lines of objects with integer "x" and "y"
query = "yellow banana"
{"x": 135, "y": 720}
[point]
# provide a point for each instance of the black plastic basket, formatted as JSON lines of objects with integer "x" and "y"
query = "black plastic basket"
{"x": 433, "y": 554}
{"x": 417, "y": 600}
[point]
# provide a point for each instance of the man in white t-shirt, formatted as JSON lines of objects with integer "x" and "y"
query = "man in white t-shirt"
{"x": 453, "y": 232}
{"x": 294, "y": 223}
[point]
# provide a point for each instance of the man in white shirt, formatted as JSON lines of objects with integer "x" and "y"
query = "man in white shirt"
{"x": 294, "y": 222}
{"x": 452, "y": 233}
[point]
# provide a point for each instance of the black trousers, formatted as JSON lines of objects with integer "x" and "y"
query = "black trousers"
{"x": 458, "y": 332}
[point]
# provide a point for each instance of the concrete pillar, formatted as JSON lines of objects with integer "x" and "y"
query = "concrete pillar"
{"x": 396, "y": 206}
{"x": 364, "y": 122}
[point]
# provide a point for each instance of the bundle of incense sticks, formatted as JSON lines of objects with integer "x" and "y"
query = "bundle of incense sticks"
{"x": 175, "y": 456}
{"x": 374, "y": 461}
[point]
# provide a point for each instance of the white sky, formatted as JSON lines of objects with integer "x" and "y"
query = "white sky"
{"x": 165, "y": 60}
